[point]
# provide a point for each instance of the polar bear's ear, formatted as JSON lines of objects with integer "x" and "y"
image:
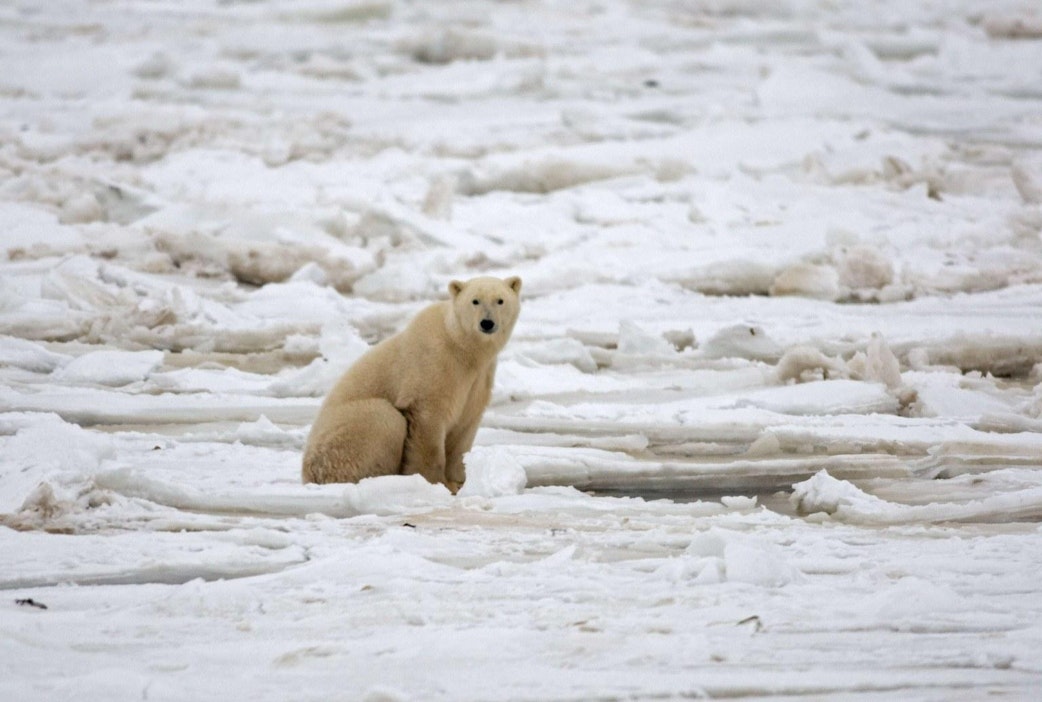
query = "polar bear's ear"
{"x": 514, "y": 282}
{"x": 455, "y": 288}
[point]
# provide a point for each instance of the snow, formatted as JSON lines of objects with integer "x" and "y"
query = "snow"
{"x": 770, "y": 424}
{"x": 493, "y": 471}
{"x": 114, "y": 368}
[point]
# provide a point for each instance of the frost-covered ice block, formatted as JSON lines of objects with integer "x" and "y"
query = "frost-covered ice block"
{"x": 847, "y": 503}
{"x": 112, "y": 368}
{"x": 30, "y": 356}
{"x": 46, "y": 450}
{"x": 90, "y": 406}
{"x": 492, "y": 472}
{"x": 395, "y": 494}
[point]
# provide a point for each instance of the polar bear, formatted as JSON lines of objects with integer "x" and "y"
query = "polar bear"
{"x": 412, "y": 403}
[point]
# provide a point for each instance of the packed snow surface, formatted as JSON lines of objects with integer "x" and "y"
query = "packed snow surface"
{"x": 770, "y": 424}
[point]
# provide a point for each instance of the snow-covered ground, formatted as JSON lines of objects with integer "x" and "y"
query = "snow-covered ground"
{"x": 770, "y": 424}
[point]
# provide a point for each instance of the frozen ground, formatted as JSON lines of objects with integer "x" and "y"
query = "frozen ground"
{"x": 770, "y": 424}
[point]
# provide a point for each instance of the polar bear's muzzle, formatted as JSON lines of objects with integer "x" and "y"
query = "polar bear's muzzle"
{"x": 488, "y": 326}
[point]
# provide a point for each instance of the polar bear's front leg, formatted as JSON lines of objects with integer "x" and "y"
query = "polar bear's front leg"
{"x": 461, "y": 437}
{"x": 456, "y": 445}
{"x": 424, "y": 451}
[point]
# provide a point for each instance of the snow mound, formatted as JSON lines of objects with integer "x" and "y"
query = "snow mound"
{"x": 60, "y": 456}
{"x": 877, "y": 364}
{"x": 814, "y": 280}
{"x": 1026, "y": 172}
{"x": 563, "y": 350}
{"x": 823, "y": 493}
{"x": 736, "y": 277}
{"x": 863, "y": 267}
{"x": 340, "y": 345}
{"x": 718, "y": 556}
{"x": 636, "y": 341}
{"x": 29, "y": 356}
{"x": 384, "y": 693}
{"x": 492, "y": 472}
{"x": 106, "y": 303}
{"x": 845, "y": 502}
{"x": 446, "y": 45}
{"x": 253, "y": 248}
{"x": 805, "y": 364}
{"x": 914, "y": 599}
{"x": 544, "y": 174}
{"x": 398, "y": 281}
{"x": 741, "y": 341}
{"x": 274, "y": 499}
{"x": 112, "y": 368}
{"x": 30, "y": 232}
{"x": 1013, "y": 26}
{"x": 395, "y": 494}
{"x": 520, "y": 377}
{"x": 821, "y": 398}
{"x": 265, "y": 432}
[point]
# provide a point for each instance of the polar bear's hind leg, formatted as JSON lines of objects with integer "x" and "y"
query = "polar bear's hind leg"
{"x": 360, "y": 439}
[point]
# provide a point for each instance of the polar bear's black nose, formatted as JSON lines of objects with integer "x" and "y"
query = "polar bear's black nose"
{"x": 488, "y": 326}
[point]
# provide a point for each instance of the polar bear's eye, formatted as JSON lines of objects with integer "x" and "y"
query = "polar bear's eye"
{"x": 499, "y": 301}
{"x": 474, "y": 301}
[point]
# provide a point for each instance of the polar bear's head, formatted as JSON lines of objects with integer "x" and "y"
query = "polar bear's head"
{"x": 486, "y": 308}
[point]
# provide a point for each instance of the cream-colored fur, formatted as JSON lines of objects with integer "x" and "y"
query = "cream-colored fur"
{"x": 412, "y": 403}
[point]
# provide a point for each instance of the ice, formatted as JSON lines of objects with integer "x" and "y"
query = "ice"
{"x": 770, "y": 423}
{"x": 395, "y": 494}
{"x": 493, "y": 472}
{"x": 266, "y": 433}
{"x": 45, "y": 455}
{"x": 738, "y": 558}
{"x": 1025, "y": 25}
{"x": 844, "y": 501}
{"x": 741, "y": 341}
{"x": 823, "y": 397}
{"x": 277, "y": 500}
{"x": 30, "y": 232}
{"x": 807, "y": 280}
{"x": 1027, "y": 177}
{"x": 558, "y": 351}
{"x": 823, "y": 493}
{"x": 19, "y": 353}
{"x": 804, "y": 363}
{"x": 877, "y": 364}
{"x": 339, "y": 345}
{"x": 113, "y": 368}
{"x": 864, "y": 268}
{"x": 912, "y": 599}
{"x": 252, "y": 248}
